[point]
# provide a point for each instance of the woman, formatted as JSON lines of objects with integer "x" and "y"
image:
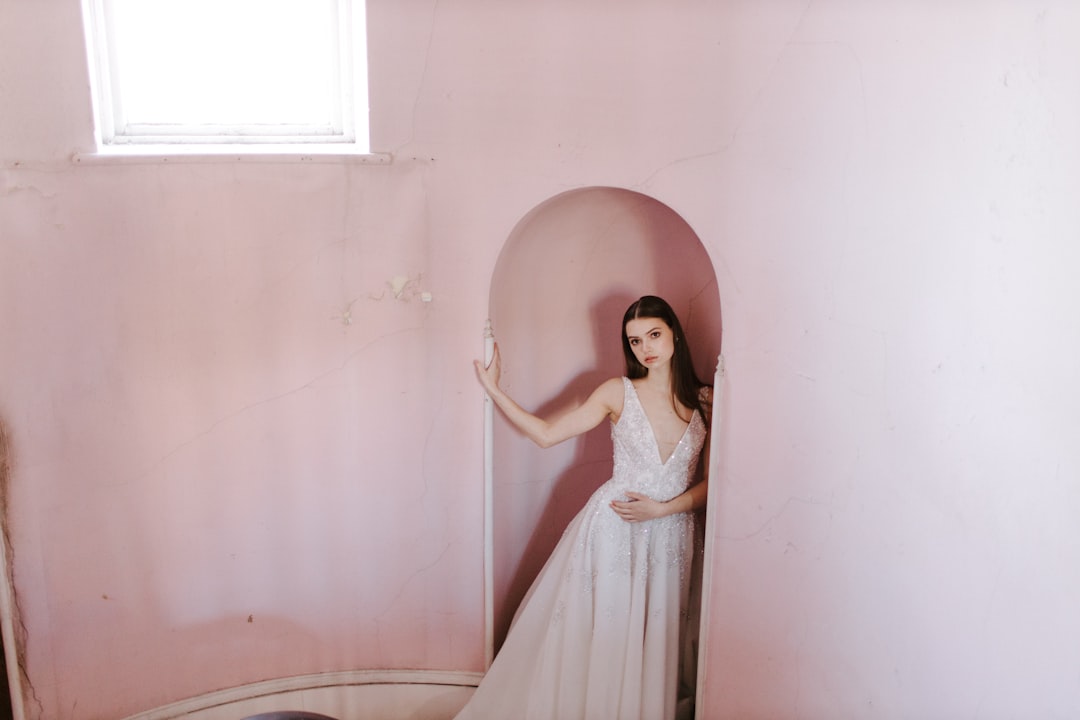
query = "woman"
{"x": 601, "y": 632}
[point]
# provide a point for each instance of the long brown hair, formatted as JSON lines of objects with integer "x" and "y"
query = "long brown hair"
{"x": 685, "y": 385}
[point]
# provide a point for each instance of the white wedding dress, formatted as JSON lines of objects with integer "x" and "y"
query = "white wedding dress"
{"x": 602, "y": 633}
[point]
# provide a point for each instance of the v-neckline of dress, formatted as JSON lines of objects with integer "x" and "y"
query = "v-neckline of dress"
{"x": 652, "y": 430}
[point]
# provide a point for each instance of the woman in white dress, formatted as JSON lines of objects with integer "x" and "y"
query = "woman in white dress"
{"x": 602, "y": 632}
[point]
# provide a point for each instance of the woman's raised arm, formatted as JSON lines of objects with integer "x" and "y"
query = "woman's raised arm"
{"x": 605, "y": 401}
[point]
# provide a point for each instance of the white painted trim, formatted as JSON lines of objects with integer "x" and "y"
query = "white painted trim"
{"x": 710, "y": 515}
{"x": 489, "y": 508}
{"x": 174, "y": 154}
{"x": 308, "y": 682}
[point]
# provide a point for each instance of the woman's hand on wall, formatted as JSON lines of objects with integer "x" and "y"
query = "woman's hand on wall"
{"x": 489, "y": 376}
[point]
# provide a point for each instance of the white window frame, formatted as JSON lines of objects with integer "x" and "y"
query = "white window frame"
{"x": 346, "y": 132}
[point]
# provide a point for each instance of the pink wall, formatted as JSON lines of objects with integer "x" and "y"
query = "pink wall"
{"x": 887, "y": 192}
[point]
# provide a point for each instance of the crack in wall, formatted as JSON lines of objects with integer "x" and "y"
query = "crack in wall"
{"x": 772, "y": 518}
{"x": 240, "y": 411}
{"x": 727, "y": 145}
{"x": 378, "y": 619}
{"x": 423, "y": 78}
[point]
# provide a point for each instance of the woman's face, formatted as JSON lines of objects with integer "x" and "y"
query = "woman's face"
{"x": 651, "y": 340}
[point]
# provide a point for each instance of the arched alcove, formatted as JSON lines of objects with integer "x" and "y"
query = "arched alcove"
{"x": 563, "y": 280}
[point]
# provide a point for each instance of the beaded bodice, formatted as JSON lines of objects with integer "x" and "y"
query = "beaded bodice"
{"x": 638, "y": 465}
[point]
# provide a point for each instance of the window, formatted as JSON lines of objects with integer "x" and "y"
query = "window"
{"x": 228, "y": 72}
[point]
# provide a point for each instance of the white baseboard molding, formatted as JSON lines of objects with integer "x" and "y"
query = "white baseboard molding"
{"x": 286, "y": 686}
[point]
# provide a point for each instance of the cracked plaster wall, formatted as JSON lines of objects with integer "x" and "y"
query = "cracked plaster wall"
{"x": 221, "y": 480}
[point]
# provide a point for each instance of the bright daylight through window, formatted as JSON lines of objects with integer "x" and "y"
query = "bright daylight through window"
{"x": 212, "y": 72}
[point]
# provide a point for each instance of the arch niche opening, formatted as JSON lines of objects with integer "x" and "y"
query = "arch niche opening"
{"x": 562, "y": 282}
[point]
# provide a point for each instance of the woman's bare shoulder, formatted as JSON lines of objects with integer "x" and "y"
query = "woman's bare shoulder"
{"x": 611, "y": 392}
{"x": 612, "y": 388}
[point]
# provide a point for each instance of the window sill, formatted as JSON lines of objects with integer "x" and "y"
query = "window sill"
{"x": 232, "y": 153}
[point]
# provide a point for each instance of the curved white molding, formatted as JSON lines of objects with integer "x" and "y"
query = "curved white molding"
{"x": 489, "y": 508}
{"x": 710, "y": 530}
{"x": 307, "y": 682}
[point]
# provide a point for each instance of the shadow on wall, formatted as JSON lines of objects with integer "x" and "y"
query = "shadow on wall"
{"x": 564, "y": 278}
